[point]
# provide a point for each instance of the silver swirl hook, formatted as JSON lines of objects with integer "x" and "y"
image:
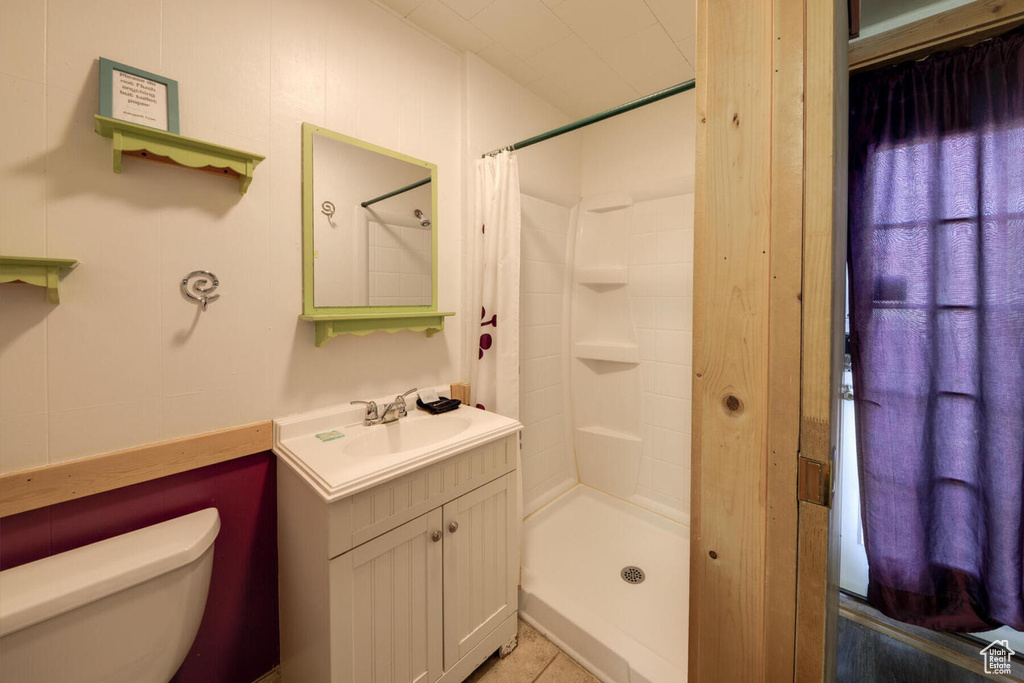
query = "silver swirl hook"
{"x": 327, "y": 209}
{"x": 201, "y": 289}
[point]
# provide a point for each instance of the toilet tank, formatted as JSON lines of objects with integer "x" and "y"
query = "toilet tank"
{"x": 124, "y": 609}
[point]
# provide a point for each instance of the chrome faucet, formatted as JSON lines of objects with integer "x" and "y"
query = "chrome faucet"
{"x": 393, "y": 411}
{"x": 398, "y": 405}
{"x": 390, "y": 414}
{"x": 371, "y": 412}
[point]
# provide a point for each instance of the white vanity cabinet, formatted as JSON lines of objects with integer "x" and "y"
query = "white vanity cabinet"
{"x": 386, "y": 605}
{"x": 412, "y": 579}
{"x": 481, "y": 565}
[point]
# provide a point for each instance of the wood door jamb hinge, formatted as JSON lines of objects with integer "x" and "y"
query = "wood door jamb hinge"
{"x": 814, "y": 481}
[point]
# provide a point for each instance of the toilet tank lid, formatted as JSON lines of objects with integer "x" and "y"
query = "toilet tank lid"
{"x": 40, "y": 590}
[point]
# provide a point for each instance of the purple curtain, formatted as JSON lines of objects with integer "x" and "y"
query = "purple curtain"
{"x": 937, "y": 333}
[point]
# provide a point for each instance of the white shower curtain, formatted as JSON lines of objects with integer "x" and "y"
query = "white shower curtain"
{"x": 494, "y": 286}
{"x": 494, "y": 296}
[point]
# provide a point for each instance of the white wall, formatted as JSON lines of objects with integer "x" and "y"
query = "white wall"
{"x": 649, "y": 155}
{"x": 499, "y": 112}
{"x": 123, "y": 360}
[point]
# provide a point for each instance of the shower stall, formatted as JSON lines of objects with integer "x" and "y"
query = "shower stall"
{"x": 606, "y": 339}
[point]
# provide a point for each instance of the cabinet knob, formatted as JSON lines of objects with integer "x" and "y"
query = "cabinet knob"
{"x": 453, "y": 527}
{"x": 436, "y": 536}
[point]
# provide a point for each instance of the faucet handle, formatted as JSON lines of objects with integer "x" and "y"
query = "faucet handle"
{"x": 400, "y": 402}
{"x": 371, "y": 411}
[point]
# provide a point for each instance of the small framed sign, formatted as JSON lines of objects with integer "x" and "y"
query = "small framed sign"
{"x": 137, "y": 96}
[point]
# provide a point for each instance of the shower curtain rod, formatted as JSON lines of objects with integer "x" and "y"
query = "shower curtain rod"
{"x": 594, "y": 118}
{"x": 410, "y": 186}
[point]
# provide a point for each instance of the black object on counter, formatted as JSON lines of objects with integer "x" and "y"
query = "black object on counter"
{"x": 441, "y": 405}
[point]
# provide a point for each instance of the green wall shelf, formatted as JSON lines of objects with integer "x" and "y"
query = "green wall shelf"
{"x": 41, "y": 272}
{"x": 330, "y": 325}
{"x": 162, "y": 147}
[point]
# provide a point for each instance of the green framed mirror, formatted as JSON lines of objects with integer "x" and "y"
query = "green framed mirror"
{"x": 369, "y": 238}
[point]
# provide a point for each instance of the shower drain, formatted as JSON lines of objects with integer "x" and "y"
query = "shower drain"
{"x": 632, "y": 574}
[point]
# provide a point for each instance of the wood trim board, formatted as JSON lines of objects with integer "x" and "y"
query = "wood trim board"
{"x": 700, "y": 243}
{"x": 821, "y": 353}
{"x": 36, "y": 488}
{"x": 962, "y": 25}
{"x": 769, "y": 231}
{"x": 783, "y": 337}
{"x": 732, "y": 236}
{"x": 786, "y": 257}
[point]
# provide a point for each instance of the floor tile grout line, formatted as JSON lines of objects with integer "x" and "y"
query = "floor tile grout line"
{"x": 553, "y": 658}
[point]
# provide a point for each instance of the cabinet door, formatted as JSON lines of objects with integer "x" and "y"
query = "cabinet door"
{"x": 386, "y": 615}
{"x": 481, "y": 565}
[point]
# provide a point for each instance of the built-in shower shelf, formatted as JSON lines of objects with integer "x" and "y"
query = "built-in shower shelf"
{"x": 610, "y": 201}
{"x": 606, "y": 275}
{"x": 41, "y": 272}
{"x": 606, "y": 433}
{"x": 150, "y": 144}
{"x": 613, "y": 352}
{"x": 608, "y": 460}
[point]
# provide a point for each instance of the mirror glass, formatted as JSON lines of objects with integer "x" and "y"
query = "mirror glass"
{"x": 372, "y": 225}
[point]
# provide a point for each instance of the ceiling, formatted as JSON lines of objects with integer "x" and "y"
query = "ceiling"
{"x": 582, "y": 56}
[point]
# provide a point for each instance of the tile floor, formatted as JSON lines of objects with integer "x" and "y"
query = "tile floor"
{"x": 535, "y": 660}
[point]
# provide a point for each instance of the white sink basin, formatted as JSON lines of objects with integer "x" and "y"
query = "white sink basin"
{"x": 360, "y": 457}
{"x": 405, "y": 435}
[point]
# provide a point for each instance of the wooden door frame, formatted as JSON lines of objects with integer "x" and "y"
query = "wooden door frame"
{"x": 730, "y": 360}
{"x": 823, "y": 334}
{"x": 769, "y": 290}
{"x": 770, "y": 230}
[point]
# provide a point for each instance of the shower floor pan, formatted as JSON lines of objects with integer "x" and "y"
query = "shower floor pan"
{"x": 576, "y": 592}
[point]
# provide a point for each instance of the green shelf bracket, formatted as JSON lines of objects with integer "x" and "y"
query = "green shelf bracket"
{"x": 41, "y": 272}
{"x": 329, "y": 326}
{"x": 156, "y": 145}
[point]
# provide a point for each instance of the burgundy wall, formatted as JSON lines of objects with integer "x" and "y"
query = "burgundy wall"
{"x": 238, "y": 639}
